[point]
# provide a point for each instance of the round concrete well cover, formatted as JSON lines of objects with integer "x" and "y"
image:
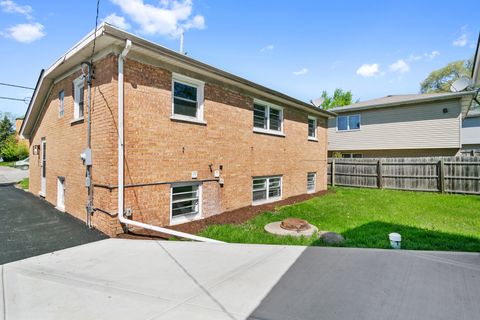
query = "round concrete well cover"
{"x": 291, "y": 227}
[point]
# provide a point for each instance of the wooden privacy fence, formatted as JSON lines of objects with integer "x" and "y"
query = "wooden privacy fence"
{"x": 439, "y": 174}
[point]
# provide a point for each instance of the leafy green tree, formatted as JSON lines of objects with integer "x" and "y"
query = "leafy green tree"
{"x": 8, "y": 150}
{"x": 12, "y": 150}
{"x": 441, "y": 79}
{"x": 6, "y": 130}
{"x": 340, "y": 98}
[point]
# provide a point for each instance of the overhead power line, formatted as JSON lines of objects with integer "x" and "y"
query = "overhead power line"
{"x": 15, "y": 86}
{"x": 16, "y": 99}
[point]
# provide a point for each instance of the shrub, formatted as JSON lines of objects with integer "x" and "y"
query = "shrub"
{"x": 12, "y": 150}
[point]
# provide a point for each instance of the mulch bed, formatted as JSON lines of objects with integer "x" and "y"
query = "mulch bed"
{"x": 236, "y": 216}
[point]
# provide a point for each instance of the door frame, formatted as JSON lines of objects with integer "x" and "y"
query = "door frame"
{"x": 60, "y": 194}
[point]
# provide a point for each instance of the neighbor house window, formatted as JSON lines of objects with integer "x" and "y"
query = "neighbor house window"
{"x": 348, "y": 123}
{"x": 187, "y": 98}
{"x": 312, "y": 128}
{"x": 185, "y": 202}
{"x": 267, "y": 189}
{"x": 311, "y": 180}
{"x": 352, "y": 155}
{"x": 61, "y": 109}
{"x": 267, "y": 118}
{"x": 78, "y": 86}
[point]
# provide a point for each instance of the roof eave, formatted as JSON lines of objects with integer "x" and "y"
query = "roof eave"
{"x": 457, "y": 95}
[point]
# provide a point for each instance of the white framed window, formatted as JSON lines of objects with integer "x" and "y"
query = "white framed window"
{"x": 348, "y": 123}
{"x": 78, "y": 102}
{"x": 187, "y": 98}
{"x": 311, "y": 181}
{"x": 185, "y": 202}
{"x": 352, "y": 155}
{"x": 312, "y": 128}
{"x": 61, "y": 105}
{"x": 266, "y": 189}
{"x": 267, "y": 118}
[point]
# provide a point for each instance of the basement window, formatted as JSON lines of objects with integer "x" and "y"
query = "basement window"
{"x": 311, "y": 181}
{"x": 187, "y": 96}
{"x": 266, "y": 189}
{"x": 185, "y": 202}
{"x": 312, "y": 128}
{"x": 348, "y": 123}
{"x": 78, "y": 102}
{"x": 267, "y": 118}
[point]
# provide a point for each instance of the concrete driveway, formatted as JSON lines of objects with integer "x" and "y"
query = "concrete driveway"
{"x": 145, "y": 279}
{"x": 30, "y": 226}
{"x": 10, "y": 175}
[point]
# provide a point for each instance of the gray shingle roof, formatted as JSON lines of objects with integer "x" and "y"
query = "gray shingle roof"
{"x": 395, "y": 100}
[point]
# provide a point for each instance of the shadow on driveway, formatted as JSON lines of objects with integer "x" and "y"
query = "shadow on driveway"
{"x": 30, "y": 226}
{"x": 370, "y": 284}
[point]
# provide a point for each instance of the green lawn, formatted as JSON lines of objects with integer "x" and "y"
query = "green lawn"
{"x": 7, "y": 164}
{"x": 24, "y": 183}
{"x": 365, "y": 217}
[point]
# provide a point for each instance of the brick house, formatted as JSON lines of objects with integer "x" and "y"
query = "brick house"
{"x": 197, "y": 141}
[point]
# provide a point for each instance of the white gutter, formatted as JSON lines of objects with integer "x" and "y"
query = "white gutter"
{"x": 121, "y": 218}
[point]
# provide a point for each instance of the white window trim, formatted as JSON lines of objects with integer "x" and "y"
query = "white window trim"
{"x": 76, "y": 94}
{"x": 200, "y": 85}
{"x": 348, "y": 123}
{"x": 314, "y": 182}
{"x": 269, "y": 106}
{"x": 268, "y": 200}
{"x": 188, "y": 217}
{"x": 314, "y": 138}
{"x": 61, "y": 106}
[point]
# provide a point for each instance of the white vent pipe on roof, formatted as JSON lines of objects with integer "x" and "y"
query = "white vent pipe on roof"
{"x": 121, "y": 218}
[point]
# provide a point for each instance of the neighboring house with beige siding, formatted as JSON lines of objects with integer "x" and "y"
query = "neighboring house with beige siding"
{"x": 196, "y": 141}
{"x": 471, "y": 134}
{"x": 400, "y": 126}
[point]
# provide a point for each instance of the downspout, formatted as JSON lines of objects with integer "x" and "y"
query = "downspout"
{"x": 121, "y": 218}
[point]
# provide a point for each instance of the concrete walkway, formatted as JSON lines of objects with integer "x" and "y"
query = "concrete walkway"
{"x": 145, "y": 279}
{"x": 10, "y": 175}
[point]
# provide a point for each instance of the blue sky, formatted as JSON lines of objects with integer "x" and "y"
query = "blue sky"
{"x": 301, "y": 48}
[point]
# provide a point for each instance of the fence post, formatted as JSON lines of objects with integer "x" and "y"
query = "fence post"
{"x": 379, "y": 174}
{"x": 333, "y": 172}
{"x": 441, "y": 176}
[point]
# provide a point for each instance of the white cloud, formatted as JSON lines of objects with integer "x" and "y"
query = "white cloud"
{"x": 427, "y": 55}
{"x": 117, "y": 21}
{"x": 413, "y": 57}
{"x": 25, "y": 32}
{"x": 461, "y": 41}
{"x": 399, "y": 66}
{"x": 432, "y": 54}
{"x": 368, "y": 70}
{"x": 169, "y": 18}
{"x": 301, "y": 72}
{"x": 11, "y": 7}
{"x": 270, "y": 47}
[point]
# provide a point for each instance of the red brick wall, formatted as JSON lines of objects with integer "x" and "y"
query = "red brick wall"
{"x": 66, "y": 140}
{"x": 158, "y": 149}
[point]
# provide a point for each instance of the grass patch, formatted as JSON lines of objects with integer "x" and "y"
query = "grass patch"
{"x": 426, "y": 221}
{"x": 7, "y": 164}
{"x": 24, "y": 184}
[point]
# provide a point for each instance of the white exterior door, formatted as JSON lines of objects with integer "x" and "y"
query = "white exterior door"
{"x": 61, "y": 193}
{"x": 43, "y": 168}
